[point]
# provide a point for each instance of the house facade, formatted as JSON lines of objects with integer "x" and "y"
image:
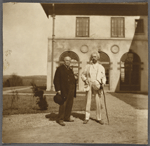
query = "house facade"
{"x": 120, "y": 37}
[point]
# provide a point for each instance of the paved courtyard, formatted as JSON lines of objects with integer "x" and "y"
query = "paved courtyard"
{"x": 128, "y": 124}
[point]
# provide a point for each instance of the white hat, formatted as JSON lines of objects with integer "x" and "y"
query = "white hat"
{"x": 96, "y": 85}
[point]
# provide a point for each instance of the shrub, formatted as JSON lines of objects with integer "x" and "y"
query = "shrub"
{"x": 41, "y": 101}
{"x": 14, "y": 98}
{"x": 14, "y": 80}
{"x": 6, "y": 83}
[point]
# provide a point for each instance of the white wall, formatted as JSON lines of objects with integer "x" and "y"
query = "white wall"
{"x": 100, "y": 27}
{"x": 100, "y": 36}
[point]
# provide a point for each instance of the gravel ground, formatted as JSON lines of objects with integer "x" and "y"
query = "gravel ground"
{"x": 128, "y": 125}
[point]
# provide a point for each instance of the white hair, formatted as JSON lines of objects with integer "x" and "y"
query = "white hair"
{"x": 67, "y": 57}
{"x": 97, "y": 54}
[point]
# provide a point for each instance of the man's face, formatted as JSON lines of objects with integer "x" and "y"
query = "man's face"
{"x": 67, "y": 61}
{"x": 94, "y": 58}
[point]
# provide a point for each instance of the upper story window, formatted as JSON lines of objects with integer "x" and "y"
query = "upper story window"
{"x": 117, "y": 27}
{"x": 82, "y": 26}
{"x": 139, "y": 26}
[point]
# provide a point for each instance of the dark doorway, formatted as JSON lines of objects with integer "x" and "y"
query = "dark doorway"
{"x": 105, "y": 61}
{"x": 75, "y": 62}
{"x": 130, "y": 72}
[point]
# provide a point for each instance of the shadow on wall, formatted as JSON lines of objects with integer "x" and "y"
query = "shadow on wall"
{"x": 137, "y": 101}
{"x": 130, "y": 62}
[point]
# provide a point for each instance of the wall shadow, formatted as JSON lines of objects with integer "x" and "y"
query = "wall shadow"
{"x": 138, "y": 37}
{"x": 135, "y": 100}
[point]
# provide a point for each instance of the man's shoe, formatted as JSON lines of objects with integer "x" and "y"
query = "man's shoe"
{"x": 69, "y": 120}
{"x": 101, "y": 122}
{"x": 85, "y": 121}
{"x": 61, "y": 123}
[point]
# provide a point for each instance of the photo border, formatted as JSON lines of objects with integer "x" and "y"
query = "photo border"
{"x": 61, "y": 1}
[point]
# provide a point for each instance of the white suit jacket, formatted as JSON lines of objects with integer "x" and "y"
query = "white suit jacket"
{"x": 100, "y": 75}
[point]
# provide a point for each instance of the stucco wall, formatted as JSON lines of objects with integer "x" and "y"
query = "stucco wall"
{"x": 105, "y": 45}
{"x": 100, "y": 39}
{"x": 100, "y": 27}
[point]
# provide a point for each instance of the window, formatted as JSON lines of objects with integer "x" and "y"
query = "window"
{"x": 117, "y": 27}
{"x": 82, "y": 26}
{"x": 139, "y": 26}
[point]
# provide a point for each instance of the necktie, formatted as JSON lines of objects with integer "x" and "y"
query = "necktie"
{"x": 68, "y": 67}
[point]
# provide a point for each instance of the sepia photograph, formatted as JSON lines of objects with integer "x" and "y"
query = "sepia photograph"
{"x": 75, "y": 73}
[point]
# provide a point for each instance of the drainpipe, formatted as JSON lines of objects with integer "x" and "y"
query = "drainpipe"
{"x": 53, "y": 41}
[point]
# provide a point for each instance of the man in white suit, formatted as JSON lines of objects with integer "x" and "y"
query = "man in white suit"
{"x": 94, "y": 72}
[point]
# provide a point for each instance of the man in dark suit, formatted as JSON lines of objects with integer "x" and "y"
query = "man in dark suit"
{"x": 65, "y": 85}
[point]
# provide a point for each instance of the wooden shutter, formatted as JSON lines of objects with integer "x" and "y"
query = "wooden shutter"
{"x": 120, "y": 27}
{"x": 117, "y": 27}
{"x": 82, "y": 27}
{"x": 87, "y": 27}
{"x": 113, "y": 27}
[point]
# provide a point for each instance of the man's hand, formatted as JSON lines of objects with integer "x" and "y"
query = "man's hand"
{"x": 102, "y": 85}
{"x": 86, "y": 82}
{"x": 59, "y": 92}
{"x": 76, "y": 76}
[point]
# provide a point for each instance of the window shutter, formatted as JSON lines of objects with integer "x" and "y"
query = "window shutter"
{"x": 86, "y": 27}
{"x": 77, "y": 27}
{"x": 120, "y": 27}
{"x": 117, "y": 27}
{"x": 113, "y": 27}
{"x": 82, "y": 27}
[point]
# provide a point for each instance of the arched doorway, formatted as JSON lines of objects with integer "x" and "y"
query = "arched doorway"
{"x": 130, "y": 72}
{"x": 105, "y": 61}
{"x": 75, "y": 62}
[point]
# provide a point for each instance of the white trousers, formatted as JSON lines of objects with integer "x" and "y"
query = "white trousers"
{"x": 97, "y": 96}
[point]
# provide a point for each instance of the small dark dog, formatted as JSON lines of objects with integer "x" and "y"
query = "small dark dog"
{"x": 41, "y": 100}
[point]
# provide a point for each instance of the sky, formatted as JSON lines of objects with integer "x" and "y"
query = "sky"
{"x": 26, "y": 29}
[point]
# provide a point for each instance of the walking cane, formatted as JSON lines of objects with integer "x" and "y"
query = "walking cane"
{"x": 105, "y": 104}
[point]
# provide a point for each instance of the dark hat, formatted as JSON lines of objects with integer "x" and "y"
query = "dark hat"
{"x": 58, "y": 99}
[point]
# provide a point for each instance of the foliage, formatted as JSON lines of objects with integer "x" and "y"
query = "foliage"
{"x": 41, "y": 100}
{"x": 14, "y": 98}
{"x": 6, "y": 83}
{"x": 13, "y": 80}
{"x": 6, "y": 55}
{"x": 42, "y": 103}
{"x": 25, "y": 105}
{"x": 25, "y": 102}
{"x": 39, "y": 80}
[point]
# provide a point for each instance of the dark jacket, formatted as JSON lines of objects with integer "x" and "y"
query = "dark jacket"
{"x": 62, "y": 79}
